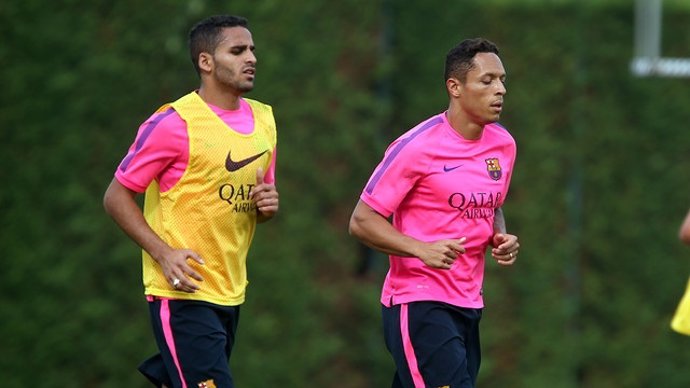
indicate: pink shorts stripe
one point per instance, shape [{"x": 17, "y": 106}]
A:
[
  {"x": 409, "y": 350},
  {"x": 167, "y": 331}
]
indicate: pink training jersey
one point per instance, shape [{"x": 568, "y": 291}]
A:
[
  {"x": 439, "y": 185},
  {"x": 161, "y": 148}
]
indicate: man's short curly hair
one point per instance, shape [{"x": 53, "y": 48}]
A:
[
  {"x": 205, "y": 35},
  {"x": 460, "y": 59}
]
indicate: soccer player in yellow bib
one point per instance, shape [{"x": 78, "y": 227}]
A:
[
  {"x": 681, "y": 319},
  {"x": 206, "y": 163}
]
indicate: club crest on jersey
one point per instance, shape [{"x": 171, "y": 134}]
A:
[
  {"x": 493, "y": 168},
  {"x": 207, "y": 384}
]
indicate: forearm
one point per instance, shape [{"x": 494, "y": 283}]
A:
[
  {"x": 375, "y": 231},
  {"x": 499, "y": 221},
  {"x": 261, "y": 217},
  {"x": 120, "y": 204}
]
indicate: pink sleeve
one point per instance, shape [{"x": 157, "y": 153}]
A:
[
  {"x": 393, "y": 178},
  {"x": 270, "y": 176},
  {"x": 160, "y": 151}
]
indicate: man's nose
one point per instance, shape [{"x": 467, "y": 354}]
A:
[
  {"x": 501, "y": 88},
  {"x": 251, "y": 58}
]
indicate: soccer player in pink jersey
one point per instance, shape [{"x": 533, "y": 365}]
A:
[
  {"x": 206, "y": 163},
  {"x": 443, "y": 184}
]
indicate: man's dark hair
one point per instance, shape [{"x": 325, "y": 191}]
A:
[
  {"x": 460, "y": 59},
  {"x": 205, "y": 35}
]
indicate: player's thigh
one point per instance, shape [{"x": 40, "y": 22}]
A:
[
  {"x": 433, "y": 344},
  {"x": 197, "y": 340}
]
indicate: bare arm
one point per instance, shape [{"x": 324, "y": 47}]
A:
[
  {"x": 505, "y": 246},
  {"x": 499, "y": 221},
  {"x": 120, "y": 204},
  {"x": 684, "y": 232},
  {"x": 372, "y": 229}
]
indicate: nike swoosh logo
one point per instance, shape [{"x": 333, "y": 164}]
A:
[
  {"x": 447, "y": 169},
  {"x": 232, "y": 165}
]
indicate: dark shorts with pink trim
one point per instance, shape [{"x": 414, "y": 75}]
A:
[
  {"x": 195, "y": 340},
  {"x": 433, "y": 344}
]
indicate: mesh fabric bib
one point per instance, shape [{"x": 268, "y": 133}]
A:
[{"x": 208, "y": 210}]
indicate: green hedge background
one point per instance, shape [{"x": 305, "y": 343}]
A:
[{"x": 599, "y": 190}]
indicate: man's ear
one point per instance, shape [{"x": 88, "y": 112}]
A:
[
  {"x": 205, "y": 62},
  {"x": 454, "y": 87}
]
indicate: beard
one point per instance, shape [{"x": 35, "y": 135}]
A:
[
  {"x": 237, "y": 81},
  {"x": 245, "y": 86}
]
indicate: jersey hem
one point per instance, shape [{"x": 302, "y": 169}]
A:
[
  {"x": 129, "y": 184},
  {"x": 372, "y": 203},
  {"x": 188, "y": 296},
  {"x": 389, "y": 300}
]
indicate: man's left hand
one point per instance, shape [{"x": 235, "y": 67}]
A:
[
  {"x": 265, "y": 196},
  {"x": 505, "y": 249}
]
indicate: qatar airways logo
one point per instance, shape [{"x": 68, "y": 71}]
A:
[
  {"x": 237, "y": 196},
  {"x": 475, "y": 204}
]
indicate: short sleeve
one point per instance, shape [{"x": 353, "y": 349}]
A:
[
  {"x": 270, "y": 176},
  {"x": 159, "y": 152},
  {"x": 402, "y": 166}
]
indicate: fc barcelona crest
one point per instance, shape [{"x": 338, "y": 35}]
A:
[{"x": 493, "y": 168}]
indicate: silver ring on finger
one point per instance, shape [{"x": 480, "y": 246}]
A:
[
  {"x": 511, "y": 255},
  {"x": 176, "y": 282}
]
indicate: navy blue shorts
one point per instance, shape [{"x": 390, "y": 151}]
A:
[
  {"x": 195, "y": 340},
  {"x": 433, "y": 344}
]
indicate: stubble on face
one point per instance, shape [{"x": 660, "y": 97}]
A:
[{"x": 235, "y": 63}]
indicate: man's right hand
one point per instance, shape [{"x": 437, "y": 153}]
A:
[
  {"x": 442, "y": 253},
  {"x": 178, "y": 272}
]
